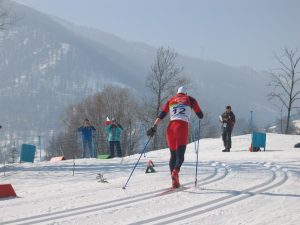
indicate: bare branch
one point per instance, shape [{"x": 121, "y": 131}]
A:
[
  {"x": 277, "y": 82},
  {"x": 282, "y": 63},
  {"x": 284, "y": 84},
  {"x": 165, "y": 77}
]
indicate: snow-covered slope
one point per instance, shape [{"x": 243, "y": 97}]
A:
[{"x": 239, "y": 187}]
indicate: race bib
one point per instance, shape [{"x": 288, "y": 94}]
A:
[{"x": 180, "y": 112}]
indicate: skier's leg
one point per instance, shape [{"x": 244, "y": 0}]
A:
[
  {"x": 174, "y": 171},
  {"x": 181, "y": 142},
  {"x": 180, "y": 156},
  {"x": 181, "y": 134},
  {"x": 172, "y": 146},
  {"x": 172, "y": 161}
]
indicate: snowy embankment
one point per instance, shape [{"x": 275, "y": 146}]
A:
[{"x": 239, "y": 187}]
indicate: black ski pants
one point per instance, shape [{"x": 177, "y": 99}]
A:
[{"x": 177, "y": 158}]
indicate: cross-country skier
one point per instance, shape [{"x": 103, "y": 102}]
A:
[
  {"x": 179, "y": 106},
  {"x": 228, "y": 121}
]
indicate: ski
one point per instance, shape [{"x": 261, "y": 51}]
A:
[{"x": 171, "y": 190}]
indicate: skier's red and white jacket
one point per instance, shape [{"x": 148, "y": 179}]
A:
[{"x": 180, "y": 107}]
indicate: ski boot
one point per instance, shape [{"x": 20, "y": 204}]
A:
[{"x": 175, "y": 178}]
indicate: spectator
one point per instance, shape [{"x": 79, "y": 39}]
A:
[
  {"x": 87, "y": 138},
  {"x": 114, "y": 134},
  {"x": 228, "y": 121}
]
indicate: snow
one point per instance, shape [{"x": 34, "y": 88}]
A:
[{"x": 233, "y": 188}]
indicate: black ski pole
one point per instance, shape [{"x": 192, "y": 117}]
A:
[
  {"x": 196, "y": 179},
  {"x": 124, "y": 187}
]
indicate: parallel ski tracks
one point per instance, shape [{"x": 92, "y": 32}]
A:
[
  {"x": 53, "y": 216},
  {"x": 278, "y": 177},
  {"x": 188, "y": 214}
]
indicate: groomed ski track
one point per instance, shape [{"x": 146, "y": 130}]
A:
[{"x": 218, "y": 172}]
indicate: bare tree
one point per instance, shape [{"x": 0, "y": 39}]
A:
[
  {"x": 285, "y": 83},
  {"x": 163, "y": 80},
  {"x": 164, "y": 76},
  {"x": 112, "y": 101}
]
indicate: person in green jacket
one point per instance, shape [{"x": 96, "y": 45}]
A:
[{"x": 114, "y": 130}]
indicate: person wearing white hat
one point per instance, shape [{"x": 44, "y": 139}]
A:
[
  {"x": 180, "y": 107},
  {"x": 182, "y": 90}
]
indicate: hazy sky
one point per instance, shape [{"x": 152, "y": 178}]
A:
[{"x": 234, "y": 32}]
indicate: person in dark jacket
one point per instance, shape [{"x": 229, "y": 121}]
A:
[
  {"x": 114, "y": 130},
  {"x": 87, "y": 138},
  {"x": 228, "y": 121}
]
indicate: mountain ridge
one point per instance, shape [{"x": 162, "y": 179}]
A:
[{"x": 47, "y": 64}]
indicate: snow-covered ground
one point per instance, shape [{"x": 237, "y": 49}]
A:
[{"x": 233, "y": 188}]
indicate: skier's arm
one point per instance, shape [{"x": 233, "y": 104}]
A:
[
  {"x": 160, "y": 117},
  {"x": 93, "y": 128},
  {"x": 80, "y": 128},
  {"x": 164, "y": 111},
  {"x": 157, "y": 121},
  {"x": 195, "y": 106},
  {"x": 120, "y": 126},
  {"x": 152, "y": 130}
]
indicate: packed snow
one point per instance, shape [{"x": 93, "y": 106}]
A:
[{"x": 238, "y": 187}]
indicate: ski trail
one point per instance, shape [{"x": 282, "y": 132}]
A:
[
  {"x": 187, "y": 214},
  {"x": 109, "y": 204}
]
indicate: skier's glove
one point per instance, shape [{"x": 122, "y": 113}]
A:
[
  {"x": 0, "y": 126},
  {"x": 151, "y": 131}
]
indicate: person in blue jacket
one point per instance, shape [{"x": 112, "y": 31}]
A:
[
  {"x": 87, "y": 137},
  {"x": 114, "y": 130}
]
